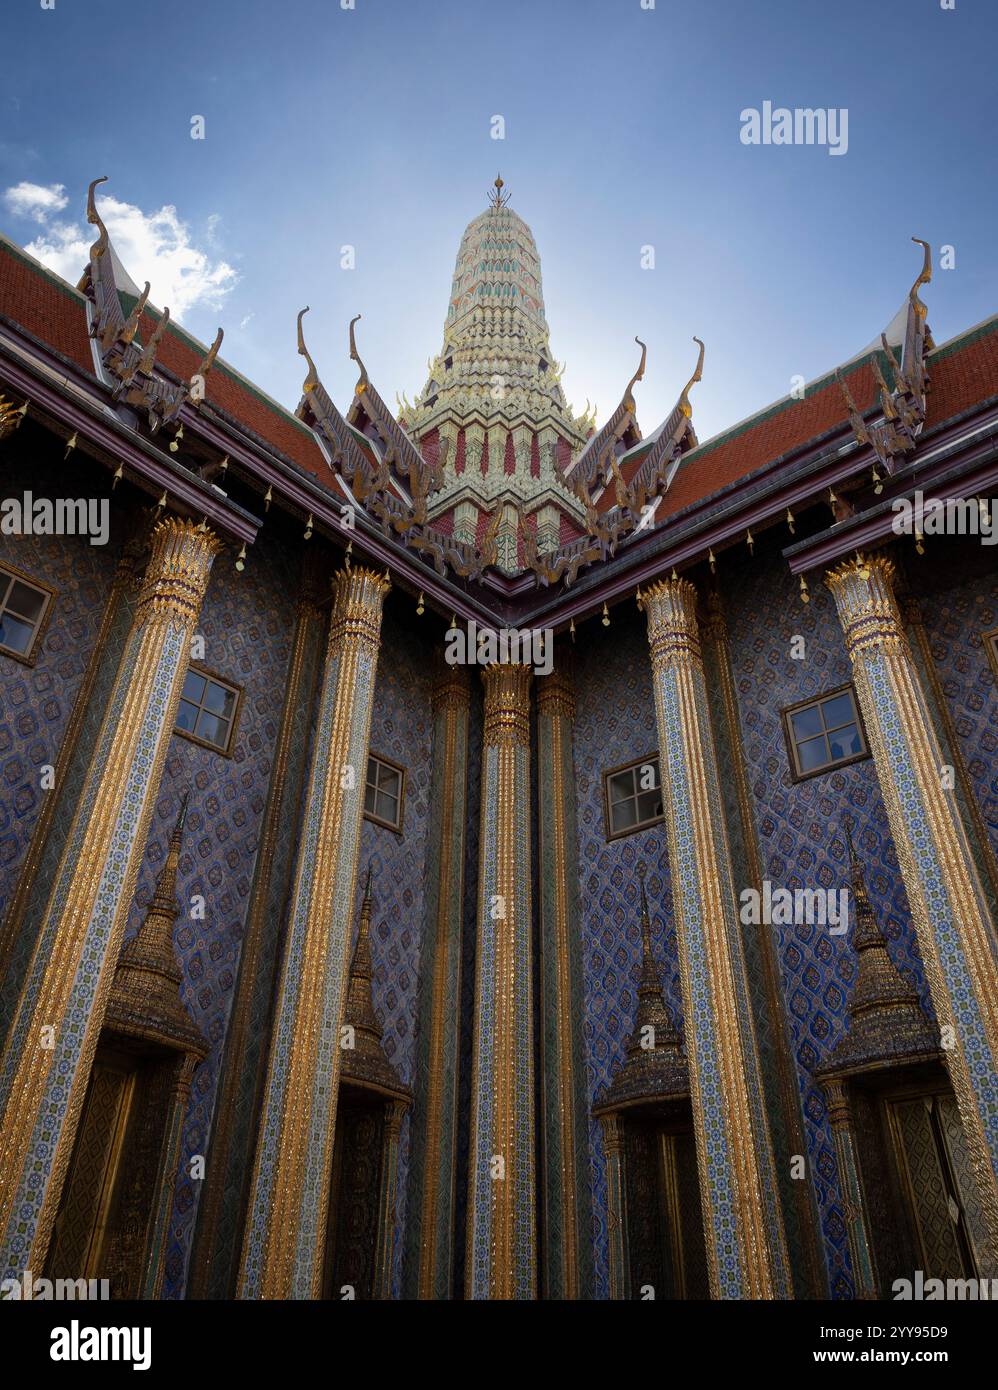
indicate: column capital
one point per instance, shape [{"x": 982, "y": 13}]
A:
[
  {"x": 837, "y": 1101},
  {"x": 863, "y": 589},
  {"x": 507, "y": 704},
  {"x": 451, "y": 688},
  {"x": 556, "y": 695},
  {"x": 176, "y": 575},
  {"x": 671, "y": 608},
  {"x": 358, "y": 598},
  {"x": 714, "y": 627},
  {"x": 613, "y": 1132}
]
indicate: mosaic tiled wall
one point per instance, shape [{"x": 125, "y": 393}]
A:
[
  {"x": 956, "y": 619},
  {"x": 402, "y": 730},
  {"x": 246, "y": 621},
  {"x": 36, "y": 701},
  {"x": 247, "y": 633},
  {"x": 802, "y": 843},
  {"x": 615, "y": 724}
]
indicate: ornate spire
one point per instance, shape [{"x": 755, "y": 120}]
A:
[
  {"x": 887, "y": 1024},
  {"x": 496, "y": 381},
  {"x": 652, "y": 1012},
  {"x": 656, "y": 1063},
  {"x": 145, "y": 995},
  {"x": 365, "y": 1063}
]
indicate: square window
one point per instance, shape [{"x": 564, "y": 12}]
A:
[
  {"x": 824, "y": 733},
  {"x": 632, "y": 797},
  {"x": 384, "y": 792},
  {"x": 208, "y": 709},
  {"x": 23, "y": 610}
]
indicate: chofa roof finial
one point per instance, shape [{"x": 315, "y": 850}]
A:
[
  {"x": 684, "y": 397},
  {"x": 93, "y": 217},
  {"x": 312, "y": 379},
  {"x": 924, "y": 276},
  {"x": 638, "y": 375},
  {"x": 355, "y": 355}
]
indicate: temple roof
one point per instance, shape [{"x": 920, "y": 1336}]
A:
[{"x": 535, "y": 493}]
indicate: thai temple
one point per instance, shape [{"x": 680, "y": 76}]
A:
[{"x": 640, "y": 945}]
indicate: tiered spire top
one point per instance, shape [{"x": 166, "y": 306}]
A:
[
  {"x": 887, "y": 1024},
  {"x": 495, "y": 376},
  {"x": 145, "y": 995},
  {"x": 655, "y": 1068},
  {"x": 365, "y": 1063}
]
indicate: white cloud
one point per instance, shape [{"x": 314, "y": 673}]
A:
[
  {"x": 153, "y": 246},
  {"x": 35, "y": 200}
]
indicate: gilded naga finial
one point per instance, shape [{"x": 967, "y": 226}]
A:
[
  {"x": 638, "y": 375},
  {"x": 355, "y": 355},
  {"x": 207, "y": 362},
  {"x": 149, "y": 356},
  {"x": 924, "y": 276},
  {"x": 131, "y": 327},
  {"x": 684, "y": 397},
  {"x": 93, "y": 217},
  {"x": 312, "y": 379}
]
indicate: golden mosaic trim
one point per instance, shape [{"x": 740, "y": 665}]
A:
[
  {"x": 309, "y": 618},
  {"x": 675, "y": 650},
  {"x": 556, "y": 703},
  {"x": 863, "y": 593},
  {"x": 352, "y": 646},
  {"x": 451, "y": 697},
  {"x": 175, "y": 581},
  {"x": 715, "y": 632}
]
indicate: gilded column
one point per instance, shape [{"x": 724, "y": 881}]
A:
[
  {"x": 289, "y": 1200},
  {"x": 430, "y": 1230},
  {"x": 612, "y": 1128},
  {"x": 783, "y": 1102},
  {"x": 502, "y": 1223},
  {"x": 860, "y": 1247},
  {"x": 565, "y": 1184},
  {"x": 910, "y": 608},
  {"x": 745, "y": 1243},
  {"x": 23, "y": 920},
  {"x": 954, "y": 930},
  {"x": 46, "y": 1065},
  {"x": 221, "y": 1210}
]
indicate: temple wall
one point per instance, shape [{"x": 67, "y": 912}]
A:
[
  {"x": 797, "y": 824},
  {"x": 615, "y": 724},
  {"x": 247, "y": 627},
  {"x": 401, "y": 730},
  {"x": 247, "y": 621},
  {"x": 955, "y": 619},
  {"x": 36, "y": 701}
]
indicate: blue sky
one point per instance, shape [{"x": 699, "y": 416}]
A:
[{"x": 371, "y": 127}]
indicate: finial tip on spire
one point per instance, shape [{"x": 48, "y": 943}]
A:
[{"x": 498, "y": 199}]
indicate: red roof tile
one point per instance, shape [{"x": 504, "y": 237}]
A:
[{"x": 46, "y": 306}]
